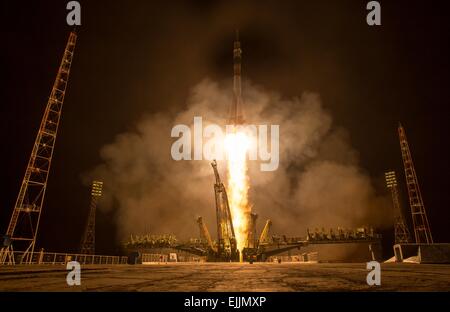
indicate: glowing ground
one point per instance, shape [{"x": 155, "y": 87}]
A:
[{"x": 228, "y": 277}]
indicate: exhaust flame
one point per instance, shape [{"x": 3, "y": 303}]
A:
[{"x": 236, "y": 146}]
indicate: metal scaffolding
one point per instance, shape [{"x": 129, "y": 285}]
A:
[
  {"x": 226, "y": 239},
  {"x": 422, "y": 231},
  {"x": 400, "y": 229},
  {"x": 88, "y": 243},
  {"x": 205, "y": 237},
  {"x": 24, "y": 222}
]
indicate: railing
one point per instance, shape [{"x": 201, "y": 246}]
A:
[
  {"x": 162, "y": 258},
  {"x": 16, "y": 257}
]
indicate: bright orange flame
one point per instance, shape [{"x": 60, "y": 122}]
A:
[{"x": 237, "y": 145}]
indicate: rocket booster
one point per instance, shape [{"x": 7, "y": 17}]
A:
[{"x": 236, "y": 115}]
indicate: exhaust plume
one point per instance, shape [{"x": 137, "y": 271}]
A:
[{"x": 318, "y": 182}]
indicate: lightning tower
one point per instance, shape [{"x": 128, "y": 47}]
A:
[
  {"x": 422, "y": 231},
  {"x": 400, "y": 229},
  {"x": 24, "y": 223},
  {"x": 88, "y": 243}
]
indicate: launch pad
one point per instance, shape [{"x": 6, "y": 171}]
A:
[
  {"x": 196, "y": 277},
  {"x": 236, "y": 239},
  {"x": 257, "y": 248}
]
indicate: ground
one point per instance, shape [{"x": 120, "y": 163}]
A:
[{"x": 228, "y": 277}]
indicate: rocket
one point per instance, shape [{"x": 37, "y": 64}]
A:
[{"x": 236, "y": 115}]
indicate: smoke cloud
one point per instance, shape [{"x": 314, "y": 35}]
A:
[{"x": 319, "y": 182}]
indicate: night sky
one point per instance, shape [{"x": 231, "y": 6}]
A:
[{"x": 139, "y": 57}]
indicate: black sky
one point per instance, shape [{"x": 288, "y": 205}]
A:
[{"x": 138, "y": 57}]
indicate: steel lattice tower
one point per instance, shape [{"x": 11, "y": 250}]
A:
[
  {"x": 400, "y": 229},
  {"x": 24, "y": 223},
  {"x": 422, "y": 231},
  {"x": 226, "y": 239},
  {"x": 88, "y": 243},
  {"x": 251, "y": 235}
]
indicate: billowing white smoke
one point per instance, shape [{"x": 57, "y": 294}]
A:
[{"x": 318, "y": 182}]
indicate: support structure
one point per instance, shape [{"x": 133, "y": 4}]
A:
[
  {"x": 204, "y": 234},
  {"x": 265, "y": 238},
  {"x": 88, "y": 243},
  {"x": 226, "y": 239},
  {"x": 400, "y": 229},
  {"x": 251, "y": 235},
  {"x": 422, "y": 230},
  {"x": 24, "y": 223}
]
